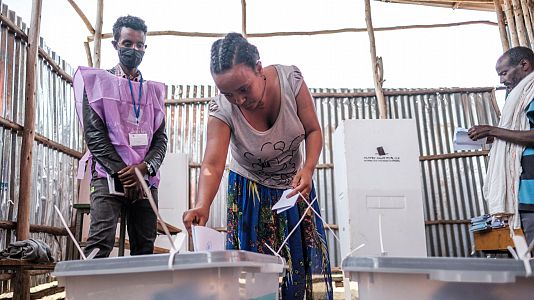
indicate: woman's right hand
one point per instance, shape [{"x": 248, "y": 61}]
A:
[{"x": 196, "y": 216}]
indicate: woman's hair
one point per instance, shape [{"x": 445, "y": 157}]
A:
[{"x": 234, "y": 49}]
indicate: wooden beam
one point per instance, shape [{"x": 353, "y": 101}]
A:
[
  {"x": 47, "y": 292},
  {"x": 528, "y": 23},
  {"x": 88, "y": 53},
  {"x": 28, "y": 134},
  {"x": 520, "y": 23},
  {"x": 508, "y": 12},
  {"x": 357, "y": 94},
  {"x": 35, "y": 228},
  {"x": 453, "y": 155},
  {"x": 57, "y": 146},
  {"x": 447, "y": 222},
  {"x": 20, "y": 34},
  {"x": 82, "y": 16},
  {"x": 98, "y": 32},
  {"x": 483, "y": 5},
  {"x": 502, "y": 27},
  {"x": 244, "y": 17},
  {"x": 14, "y": 28},
  {"x": 308, "y": 33},
  {"x": 54, "y": 66},
  {"x": 22, "y": 284},
  {"x": 377, "y": 73}
]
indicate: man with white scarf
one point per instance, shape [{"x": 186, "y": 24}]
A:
[{"x": 509, "y": 185}]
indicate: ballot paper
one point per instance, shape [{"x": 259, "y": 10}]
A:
[
  {"x": 207, "y": 239},
  {"x": 285, "y": 203},
  {"x": 462, "y": 141}
]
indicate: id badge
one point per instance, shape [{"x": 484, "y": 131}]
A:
[{"x": 138, "y": 139}]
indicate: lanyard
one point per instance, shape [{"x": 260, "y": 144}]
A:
[{"x": 137, "y": 110}]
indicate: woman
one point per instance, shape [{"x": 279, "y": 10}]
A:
[{"x": 264, "y": 114}]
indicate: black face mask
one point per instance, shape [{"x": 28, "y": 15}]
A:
[{"x": 130, "y": 57}]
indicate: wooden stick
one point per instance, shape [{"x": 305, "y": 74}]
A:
[
  {"x": 41, "y": 139},
  {"x": 356, "y": 94},
  {"x": 57, "y": 146},
  {"x": 54, "y": 66},
  {"x": 28, "y": 134},
  {"x": 476, "y": 5},
  {"x": 520, "y": 23},
  {"x": 528, "y": 23},
  {"x": 507, "y": 6},
  {"x": 22, "y": 284},
  {"x": 82, "y": 16},
  {"x": 12, "y": 27},
  {"x": 20, "y": 33},
  {"x": 307, "y": 33},
  {"x": 98, "y": 32},
  {"x": 167, "y": 33},
  {"x": 453, "y": 155},
  {"x": 35, "y": 228},
  {"x": 502, "y": 27},
  {"x": 244, "y": 17},
  {"x": 88, "y": 53},
  {"x": 382, "y": 109},
  {"x": 447, "y": 222}
]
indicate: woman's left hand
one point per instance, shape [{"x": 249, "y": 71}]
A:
[{"x": 302, "y": 182}]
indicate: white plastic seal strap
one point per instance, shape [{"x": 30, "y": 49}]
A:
[
  {"x": 70, "y": 234},
  {"x": 521, "y": 252},
  {"x": 174, "y": 249}
]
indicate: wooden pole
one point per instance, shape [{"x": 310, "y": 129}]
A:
[
  {"x": 305, "y": 33},
  {"x": 507, "y": 6},
  {"x": 377, "y": 73},
  {"x": 528, "y": 23},
  {"x": 82, "y": 16},
  {"x": 88, "y": 52},
  {"x": 22, "y": 284},
  {"x": 98, "y": 32},
  {"x": 28, "y": 134},
  {"x": 519, "y": 23},
  {"x": 502, "y": 27},
  {"x": 244, "y": 17}
]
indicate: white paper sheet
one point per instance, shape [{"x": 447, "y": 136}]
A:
[
  {"x": 285, "y": 203},
  {"x": 462, "y": 141},
  {"x": 207, "y": 239}
]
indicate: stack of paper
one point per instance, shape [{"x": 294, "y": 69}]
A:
[
  {"x": 462, "y": 141},
  {"x": 285, "y": 203},
  {"x": 207, "y": 239}
]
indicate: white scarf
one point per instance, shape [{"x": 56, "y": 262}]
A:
[{"x": 501, "y": 186}]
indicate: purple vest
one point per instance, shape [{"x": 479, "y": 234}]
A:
[{"x": 111, "y": 99}]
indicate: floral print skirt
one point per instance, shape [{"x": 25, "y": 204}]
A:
[{"x": 252, "y": 225}]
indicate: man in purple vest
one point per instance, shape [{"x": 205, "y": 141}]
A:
[{"x": 123, "y": 119}]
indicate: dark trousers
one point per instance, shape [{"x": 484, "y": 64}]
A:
[
  {"x": 105, "y": 210},
  {"x": 527, "y": 223}
]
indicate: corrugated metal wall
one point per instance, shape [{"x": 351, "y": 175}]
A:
[
  {"x": 53, "y": 178},
  {"x": 452, "y": 181}
]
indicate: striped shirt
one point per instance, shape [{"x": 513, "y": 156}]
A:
[{"x": 526, "y": 184}]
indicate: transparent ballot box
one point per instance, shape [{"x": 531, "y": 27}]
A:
[
  {"x": 217, "y": 275},
  {"x": 439, "y": 278}
]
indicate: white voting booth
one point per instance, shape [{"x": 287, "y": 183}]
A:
[
  {"x": 378, "y": 188},
  {"x": 173, "y": 193}
]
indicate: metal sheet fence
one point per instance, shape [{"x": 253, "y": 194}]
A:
[
  {"x": 53, "y": 178},
  {"x": 452, "y": 182}
]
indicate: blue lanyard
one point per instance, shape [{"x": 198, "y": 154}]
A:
[{"x": 137, "y": 110}]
